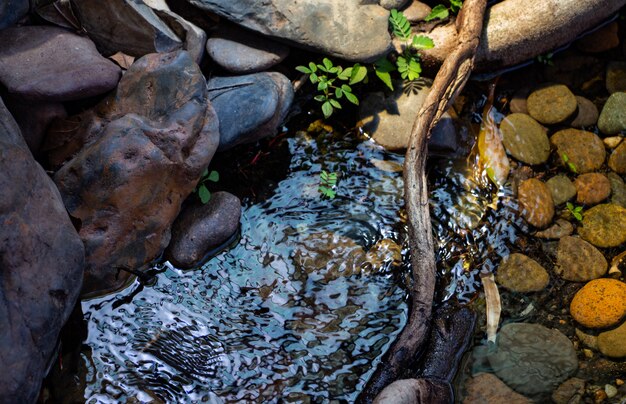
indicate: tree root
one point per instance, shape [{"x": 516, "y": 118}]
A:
[{"x": 449, "y": 81}]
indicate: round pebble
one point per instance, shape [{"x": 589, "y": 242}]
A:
[
  {"x": 579, "y": 261},
  {"x": 618, "y": 190},
  {"x": 600, "y": 303},
  {"x": 613, "y": 343},
  {"x": 523, "y": 274},
  {"x": 612, "y": 119},
  {"x": 592, "y": 188},
  {"x": 552, "y": 104},
  {"x": 583, "y": 150},
  {"x": 604, "y": 225},
  {"x": 536, "y": 203},
  {"x": 617, "y": 160},
  {"x": 525, "y": 139},
  {"x": 561, "y": 188},
  {"x": 587, "y": 113}
]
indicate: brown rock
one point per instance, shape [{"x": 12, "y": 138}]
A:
[
  {"x": 559, "y": 229},
  {"x": 416, "y": 11},
  {"x": 592, "y": 188},
  {"x": 617, "y": 160},
  {"x": 587, "y": 113},
  {"x": 561, "y": 188},
  {"x": 487, "y": 388},
  {"x": 583, "y": 150},
  {"x": 145, "y": 148},
  {"x": 525, "y": 139},
  {"x": 604, "y": 225},
  {"x": 552, "y": 104},
  {"x": 570, "y": 391},
  {"x": 612, "y": 343},
  {"x": 536, "y": 203},
  {"x": 523, "y": 274},
  {"x": 41, "y": 268},
  {"x": 579, "y": 261}
]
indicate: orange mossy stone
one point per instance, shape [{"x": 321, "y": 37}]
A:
[{"x": 600, "y": 303}]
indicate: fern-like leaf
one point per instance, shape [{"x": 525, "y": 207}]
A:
[{"x": 401, "y": 27}]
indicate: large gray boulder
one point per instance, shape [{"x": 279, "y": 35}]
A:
[
  {"x": 346, "y": 29},
  {"x": 41, "y": 267}
]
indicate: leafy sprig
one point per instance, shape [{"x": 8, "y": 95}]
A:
[
  {"x": 576, "y": 211},
  {"x": 442, "y": 12},
  {"x": 328, "y": 184},
  {"x": 201, "y": 189},
  {"x": 569, "y": 164}
]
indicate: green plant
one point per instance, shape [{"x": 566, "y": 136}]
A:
[
  {"x": 328, "y": 78},
  {"x": 408, "y": 62},
  {"x": 576, "y": 211},
  {"x": 328, "y": 184},
  {"x": 442, "y": 12},
  {"x": 569, "y": 164},
  {"x": 546, "y": 59},
  {"x": 201, "y": 189}
]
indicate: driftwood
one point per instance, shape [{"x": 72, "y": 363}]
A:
[
  {"x": 519, "y": 30},
  {"x": 448, "y": 83}
]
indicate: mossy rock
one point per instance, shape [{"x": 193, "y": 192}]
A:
[{"x": 604, "y": 225}]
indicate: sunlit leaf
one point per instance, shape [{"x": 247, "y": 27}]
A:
[
  {"x": 358, "y": 74},
  {"x": 439, "y": 11},
  {"x": 303, "y": 69},
  {"x": 351, "y": 97},
  {"x": 422, "y": 42},
  {"x": 401, "y": 27},
  {"x": 335, "y": 103}
]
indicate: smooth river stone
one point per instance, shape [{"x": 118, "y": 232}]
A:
[
  {"x": 613, "y": 116},
  {"x": 536, "y": 202},
  {"x": 523, "y": 274},
  {"x": 592, "y": 188},
  {"x": 525, "y": 139},
  {"x": 587, "y": 113},
  {"x": 600, "y": 303},
  {"x": 43, "y": 63},
  {"x": 583, "y": 149},
  {"x": 617, "y": 159},
  {"x": 552, "y": 104},
  {"x": 532, "y": 359},
  {"x": 618, "y": 190},
  {"x": 579, "y": 261},
  {"x": 604, "y": 225},
  {"x": 613, "y": 343},
  {"x": 561, "y": 188}
]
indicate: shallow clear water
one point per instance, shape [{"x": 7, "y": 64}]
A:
[{"x": 244, "y": 327}]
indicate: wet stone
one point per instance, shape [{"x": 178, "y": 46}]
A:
[
  {"x": 487, "y": 388},
  {"x": 613, "y": 116},
  {"x": 592, "y": 188},
  {"x": 616, "y": 77},
  {"x": 561, "y": 188},
  {"x": 618, "y": 190},
  {"x": 525, "y": 139},
  {"x": 533, "y": 359},
  {"x": 570, "y": 391},
  {"x": 617, "y": 159},
  {"x": 559, "y": 229},
  {"x": 384, "y": 254},
  {"x": 613, "y": 343},
  {"x": 600, "y": 303},
  {"x": 243, "y": 52},
  {"x": 579, "y": 261},
  {"x": 552, "y": 104},
  {"x": 587, "y": 115},
  {"x": 202, "y": 228},
  {"x": 518, "y": 102},
  {"x": 536, "y": 203},
  {"x": 520, "y": 273},
  {"x": 604, "y": 225},
  {"x": 584, "y": 150}
]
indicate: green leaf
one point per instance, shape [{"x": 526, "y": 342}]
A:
[
  {"x": 414, "y": 70},
  {"x": 204, "y": 194},
  {"x": 422, "y": 42},
  {"x": 358, "y": 74},
  {"x": 346, "y": 88},
  {"x": 382, "y": 68},
  {"x": 314, "y": 78},
  {"x": 320, "y": 98},
  {"x": 214, "y": 176},
  {"x": 455, "y": 5},
  {"x": 327, "y": 109},
  {"x": 345, "y": 74},
  {"x": 322, "y": 85},
  {"x": 338, "y": 92},
  {"x": 303, "y": 69},
  {"x": 312, "y": 67},
  {"x": 327, "y": 192},
  {"x": 439, "y": 11},
  {"x": 385, "y": 78},
  {"x": 335, "y": 103},
  {"x": 205, "y": 173},
  {"x": 401, "y": 27},
  {"x": 351, "y": 97},
  {"x": 327, "y": 63}
]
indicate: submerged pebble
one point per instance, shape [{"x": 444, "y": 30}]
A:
[
  {"x": 525, "y": 139},
  {"x": 487, "y": 388},
  {"x": 561, "y": 188},
  {"x": 523, "y": 274},
  {"x": 536, "y": 202},
  {"x": 617, "y": 160},
  {"x": 579, "y": 261}
]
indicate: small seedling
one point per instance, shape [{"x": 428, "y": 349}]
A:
[
  {"x": 569, "y": 164},
  {"x": 546, "y": 59},
  {"x": 442, "y": 12},
  {"x": 201, "y": 189},
  {"x": 576, "y": 211},
  {"x": 328, "y": 183}
]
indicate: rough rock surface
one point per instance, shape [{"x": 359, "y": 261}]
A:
[
  {"x": 536, "y": 203},
  {"x": 604, "y": 225},
  {"x": 41, "y": 267},
  {"x": 487, "y": 388},
  {"x": 201, "y": 228},
  {"x": 613, "y": 343},
  {"x": 42, "y": 63},
  {"x": 561, "y": 188},
  {"x": 583, "y": 149},
  {"x": 552, "y": 104},
  {"x": 569, "y": 392},
  {"x": 326, "y": 26},
  {"x": 592, "y": 188},
  {"x": 579, "y": 261},
  {"x": 520, "y": 273},
  {"x": 193, "y": 37},
  {"x": 243, "y": 52},
  {"x": 525, "y": 139},
  {"x": 125, "y": 26},
  {"x": 533, "y": 359},
  {"x": 617, "y": 159},
  {"x": 249, "y": 107},
  {"x": 145, "y": 148},
  {"x": 600, "y": 303},
  {"x": 612, "y": 119},
  {"x": 618, "y": 190},
  {"x": 559, "y": 229}
]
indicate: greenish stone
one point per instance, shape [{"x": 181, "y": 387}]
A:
[
  {"x": 561, "y": 188},
  {"x": 604, "y": 225},
  {"x": 523, "y": 274},
  {"x": 618, "y": 190},
  {"x": 525, "y": 139},
  {"x": 613, "y": 116}
]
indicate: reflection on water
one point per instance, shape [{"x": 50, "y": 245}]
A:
[{"x": 243, "y": 327}]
